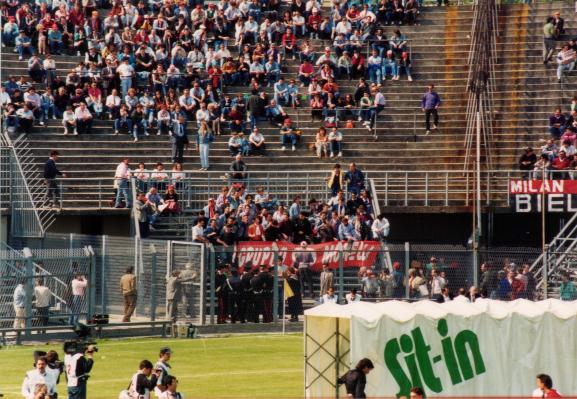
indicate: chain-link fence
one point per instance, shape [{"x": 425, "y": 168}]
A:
[
  {"x": 43, "y": 287},
  {"x": 185, "y": 281}
]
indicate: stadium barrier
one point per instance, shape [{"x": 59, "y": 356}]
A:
[{"x": 397, "y": 272}]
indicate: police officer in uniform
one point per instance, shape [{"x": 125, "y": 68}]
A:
[
  {"x": 233, "y": 293},
  {"x": 221, "y": 294},
  {"x": 246, "y": 309}
]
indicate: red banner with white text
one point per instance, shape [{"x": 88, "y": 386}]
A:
[{"x": 355, "y": 254}]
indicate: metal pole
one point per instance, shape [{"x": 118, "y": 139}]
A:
[
  {"x": 275, "y": 296},
  {"x": 407, "y": 261},
  {"x": 479, "y": 224},
  {"x": 153, "y": 286},
  {"x": 543, "y": 231},
  {"x": 337, "y": 356},
  {"x": 29, "y": 288},
  {"x": 92, "y": 283},
  {"x": 545, "y": 271},
  {"x": 341, "y": 274},
  {"x": 212, "y": 285},
  {"x": 103, "y": 276}
]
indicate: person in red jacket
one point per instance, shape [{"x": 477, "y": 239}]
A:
[
  {"x": 545, "y": 387},
  {"x": 560, "y": 164},
  {"x": 358, "y": 65},
  {"x": 289, "y": 43}
]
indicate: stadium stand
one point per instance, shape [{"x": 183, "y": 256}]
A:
[{"x": 438, "y": 46}]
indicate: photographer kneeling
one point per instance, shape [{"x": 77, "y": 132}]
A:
[{"x": 77, "y": 365}]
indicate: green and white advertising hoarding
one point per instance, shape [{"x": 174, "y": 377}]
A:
[{"x": 454, "y": 349}]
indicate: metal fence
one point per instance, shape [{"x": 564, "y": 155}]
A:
[
  {"x": 45, "y": 286},
  {"x": 208, "y": 290}
]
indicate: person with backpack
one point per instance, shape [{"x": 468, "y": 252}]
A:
[{"x": 356, "y": 379}]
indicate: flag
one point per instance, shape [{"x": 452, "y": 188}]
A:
[{"x": 288, "y": 292}]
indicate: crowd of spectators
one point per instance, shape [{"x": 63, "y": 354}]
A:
[
  {"x": 556, "y": 157},
  {"x": 147, "y": 64},
  {"x": 236, "y": 215}
]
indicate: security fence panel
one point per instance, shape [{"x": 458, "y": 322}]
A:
[
  {"x": 151, "y": 279},
  {"x": 185, "y": 281},
  {"x": 42, "y": 287}
]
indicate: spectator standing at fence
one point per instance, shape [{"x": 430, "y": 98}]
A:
[
  {"x": 326, "y": 279},
  {"x": 122, "y": 177},
  {"x": 187, "y": 278},
  {"x": 303, "y": 261},
  {"x": 142, "y": 212},
  {"x": 355, "y": 179},
  {"x": 78, "y": 285},
  {"x": 430, "y": 104},
  {"x": 50, "y": 173},
  {"x": 173, "y": 295},
  {"x": 129, "y": 293},
  {"x": 19, "y": 300},
  {"x": 43, "y": 296},
  {"x": 398, "y": 281}
]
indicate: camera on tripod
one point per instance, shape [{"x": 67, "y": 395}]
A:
[{"x": 82, "y": 344}]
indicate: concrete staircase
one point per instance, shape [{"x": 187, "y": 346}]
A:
[{"x": 526, "y": 93}]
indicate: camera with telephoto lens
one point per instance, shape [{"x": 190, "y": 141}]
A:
[{"x": 83, "y": 343}]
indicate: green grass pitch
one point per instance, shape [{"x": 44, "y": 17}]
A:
[{"x": 242, "y": 366}]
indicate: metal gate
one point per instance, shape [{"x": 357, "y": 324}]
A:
[{"x": 189, "y": 259}]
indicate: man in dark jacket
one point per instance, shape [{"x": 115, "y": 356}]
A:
[
  {"x": 262, "y": 284},
  {"x": 50, "y": 173},
  {"x": 256, "y": 104},
  {"x": 238, "y": 168},
  {"x": 302, "y": 229},
  {"x": 232, "y": 288},
  {"x": 356, "y": 379}
]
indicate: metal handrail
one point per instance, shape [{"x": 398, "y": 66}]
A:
[{"x": 18, "y": 170}]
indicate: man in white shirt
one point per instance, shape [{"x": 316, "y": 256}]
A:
[
  {"x": 38, "y": 377},
  {"x": 83, "y": 119},
  {"x": 565, "y": 61},
  {"x": 437, "y": 283},
  {"x": 330, "y": 296},
  {"x": 198, "y": 231},
  {"x": 186, "y": 101},
  {"x": 69, "y": 121},
  {"x": 121, "y": 179},
  {"x": 380, "y": 228},
  {"x": 353, "y": 296},
  {"x": 126, "y": 72},
  {"x": 251, "y": 29},
  {"x": 378, "y": 105},
  {"x": 461, "y": 297},
  {"x": 43, "y": 296},
  {"x": 78, "y": 286}
]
